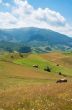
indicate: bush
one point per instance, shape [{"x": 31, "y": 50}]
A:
[
  {"x": 47, "y": 69},
  {"x": 60, "y": 73},
  {"x": 21, "y": 55}
]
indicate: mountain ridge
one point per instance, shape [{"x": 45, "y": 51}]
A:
[{"x": 37, "y": 37}]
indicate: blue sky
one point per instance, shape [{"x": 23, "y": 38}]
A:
[{"x": 49, "y": 14}]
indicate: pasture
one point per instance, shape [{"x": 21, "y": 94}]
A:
[{"x": 23, "y": 87}]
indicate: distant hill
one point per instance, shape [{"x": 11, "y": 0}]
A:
[{"x": 40, "y": 40}]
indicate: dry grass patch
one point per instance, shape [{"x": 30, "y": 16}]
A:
[{"x": 37, "y": 97}]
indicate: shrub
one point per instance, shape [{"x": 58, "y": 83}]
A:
[{"x": 47, "y": 69}]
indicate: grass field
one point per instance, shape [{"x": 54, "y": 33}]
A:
[
  {"x": 23, "y": 87},
  {"x": 65, "y": 62}
]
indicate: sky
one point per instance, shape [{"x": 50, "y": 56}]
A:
[{"x": 49, "y": 14}]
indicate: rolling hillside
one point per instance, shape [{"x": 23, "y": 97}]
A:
[
  {"x": 42, "y": 60},
  {"x": 23, "y": 87}
]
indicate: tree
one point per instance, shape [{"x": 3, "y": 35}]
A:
[{"x": 25, "y": 49}]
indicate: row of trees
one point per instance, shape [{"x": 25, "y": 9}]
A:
[{"x": 23, "y": 49}]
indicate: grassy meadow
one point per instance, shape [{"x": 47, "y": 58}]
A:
[{"x": 23, "y": 87}]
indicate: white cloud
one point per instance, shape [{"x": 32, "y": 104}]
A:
[
  {"x": 7, "y": 20},
  {"x": 49, "y": 16},
  {"x": 25, "y": 15}
]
